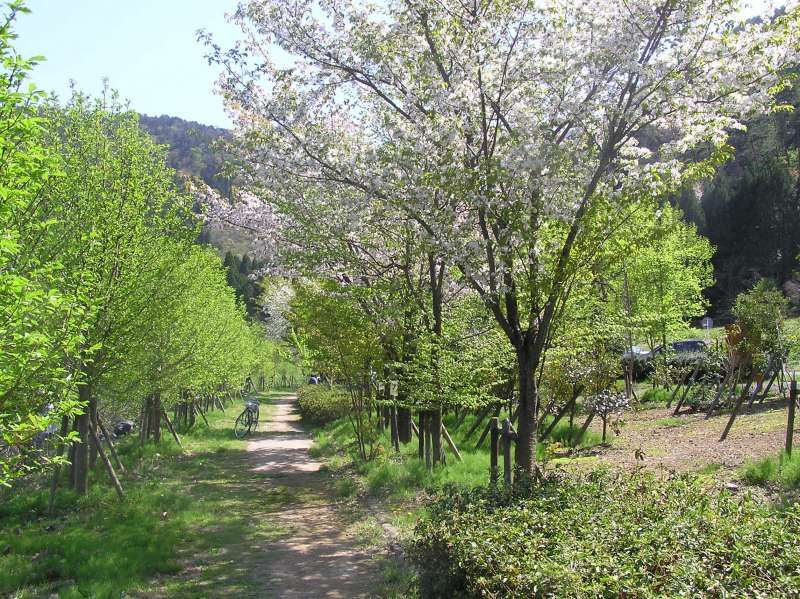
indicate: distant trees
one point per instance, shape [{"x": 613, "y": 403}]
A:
[
  {"x": 751, "y": 210},
  {"x": 243, "y": 275},
  {"x": 191, "y": 148}
]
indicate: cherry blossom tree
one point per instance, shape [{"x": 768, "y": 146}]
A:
[{"x": 517, "y": 135}]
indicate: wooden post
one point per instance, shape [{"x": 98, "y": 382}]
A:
[
  {"x": 172, "y": 429},
  {"x": 559, "y": 416},
  {"x": 452, "y": 445},
  {"x": 736, "y": 408},
  {"x": 106, "y": 461},
  {"x": 428, "y": 448},
  {"x": 395, "y": 432},
  {"x": 199, "y": 411},
  {"x": 790, "y": 422},
  {"x": 584, "y": 428},
  {"x": 723, "y": 385},
  {"x": 110, "y": 444},
  {"x": 686, "y": 389},
  {"x": 678, "y": 386},
  {"x": 493, "y": 449},
  {"x": 421, "y": 435},
  {"x": 507, "y": 452},
  {"x": 769, "y": 385},
  {"x": 488, "y": 428},
  {"x": 481, "y": 415}
]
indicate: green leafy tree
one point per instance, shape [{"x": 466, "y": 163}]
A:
[{"x": 40, "y": 319}]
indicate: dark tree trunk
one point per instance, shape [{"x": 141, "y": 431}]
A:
[
  {"x": 436, "y": 435},
  {"x": 528, "y": 408},
  {"x": 421, "y": 434},
  {"x": 156, "y": 411}
]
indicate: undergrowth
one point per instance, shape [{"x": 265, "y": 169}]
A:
[
  {"x": 782, "y": 469},
  {"x": 403, "y": 474},
  {"x": 606, "y": 535}
]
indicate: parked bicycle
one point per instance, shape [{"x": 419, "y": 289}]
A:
[{"x": 247, "y": 422}]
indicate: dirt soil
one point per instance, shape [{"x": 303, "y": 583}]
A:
[
  {"x": 691, "y": 442},
  {"x": 321, "y": 556}
]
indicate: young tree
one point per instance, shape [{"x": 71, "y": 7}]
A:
[
  {"x": 518, "y": 121},
  {"x": 40, "y": 319},
  {"x": 116, "y": 198}
]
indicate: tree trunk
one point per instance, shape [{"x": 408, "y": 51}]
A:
[
  {"x": 528, "y": 406},
  {"x": 404, "y": 425},
  {"x": 436, "y": 435},
  {"x": 81, "y": 464},
  {"x": 54, "y": 483},
  {"x": 92, "y": 448},
  {"x": 156, "y": 412},
  {"x": 421, "y": 435}
]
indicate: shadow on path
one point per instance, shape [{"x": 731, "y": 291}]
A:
[{"x": 318, "y": 558}]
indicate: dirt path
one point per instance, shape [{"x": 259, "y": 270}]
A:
[{"x": 317, "y": 558}]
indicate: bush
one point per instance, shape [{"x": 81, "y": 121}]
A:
[
  {"x": 320, "y": 405},
  {"x": 655, "y": 396},
  {"x": 606, "y": 536}
]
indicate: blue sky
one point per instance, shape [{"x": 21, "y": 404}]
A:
[{"x": 147, "y": 49}]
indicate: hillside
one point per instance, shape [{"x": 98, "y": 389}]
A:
[{"x": 194, "y": 151}]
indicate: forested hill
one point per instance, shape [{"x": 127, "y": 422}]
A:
[
  {"x": 191, "y": 148},
  {"x": 192, "y": 152},
  {"x": 751, "y": 210}
]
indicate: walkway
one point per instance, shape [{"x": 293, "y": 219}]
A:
[{"x": 317, "y": 558}]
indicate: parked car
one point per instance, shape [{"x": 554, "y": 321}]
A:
[{"x": 682, "y": 352}]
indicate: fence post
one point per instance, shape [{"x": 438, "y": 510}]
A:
[
  {"x": 494, "y": 430},
  {"x": 790, "y": 423},
  {"x": 395, "y": 432},
  {"x": 507, "y": 452}
]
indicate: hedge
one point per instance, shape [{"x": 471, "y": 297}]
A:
[{"x": 320, "y": 404}]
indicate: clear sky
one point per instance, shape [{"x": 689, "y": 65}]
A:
[{"x": 147, "y": 49}]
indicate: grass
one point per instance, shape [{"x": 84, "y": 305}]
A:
[
  {"x": 782, "y": 469},
  {"x": 671, "y": 422},
  {"x": 403, "y": 475},
  {"x": 202, "y": 507}
]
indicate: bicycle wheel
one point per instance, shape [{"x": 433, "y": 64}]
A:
[
  {"x": 241, "y": 427},
  {"x": 251, "y": 421}
]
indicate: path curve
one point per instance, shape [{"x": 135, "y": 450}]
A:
[{"x": 318, "y": 558}]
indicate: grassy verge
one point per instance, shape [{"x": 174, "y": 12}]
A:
[
  {"x": 188, "y": 523},
  {"x": 402, "y": 475}
]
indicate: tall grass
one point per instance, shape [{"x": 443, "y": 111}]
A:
[{"x": 782, "y": 469}]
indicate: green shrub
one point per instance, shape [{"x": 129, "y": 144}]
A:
[
  {"x": 320, "y": 405},
  {"x": 659, "y": 395},
  {"x": 606, "y": 536}
]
